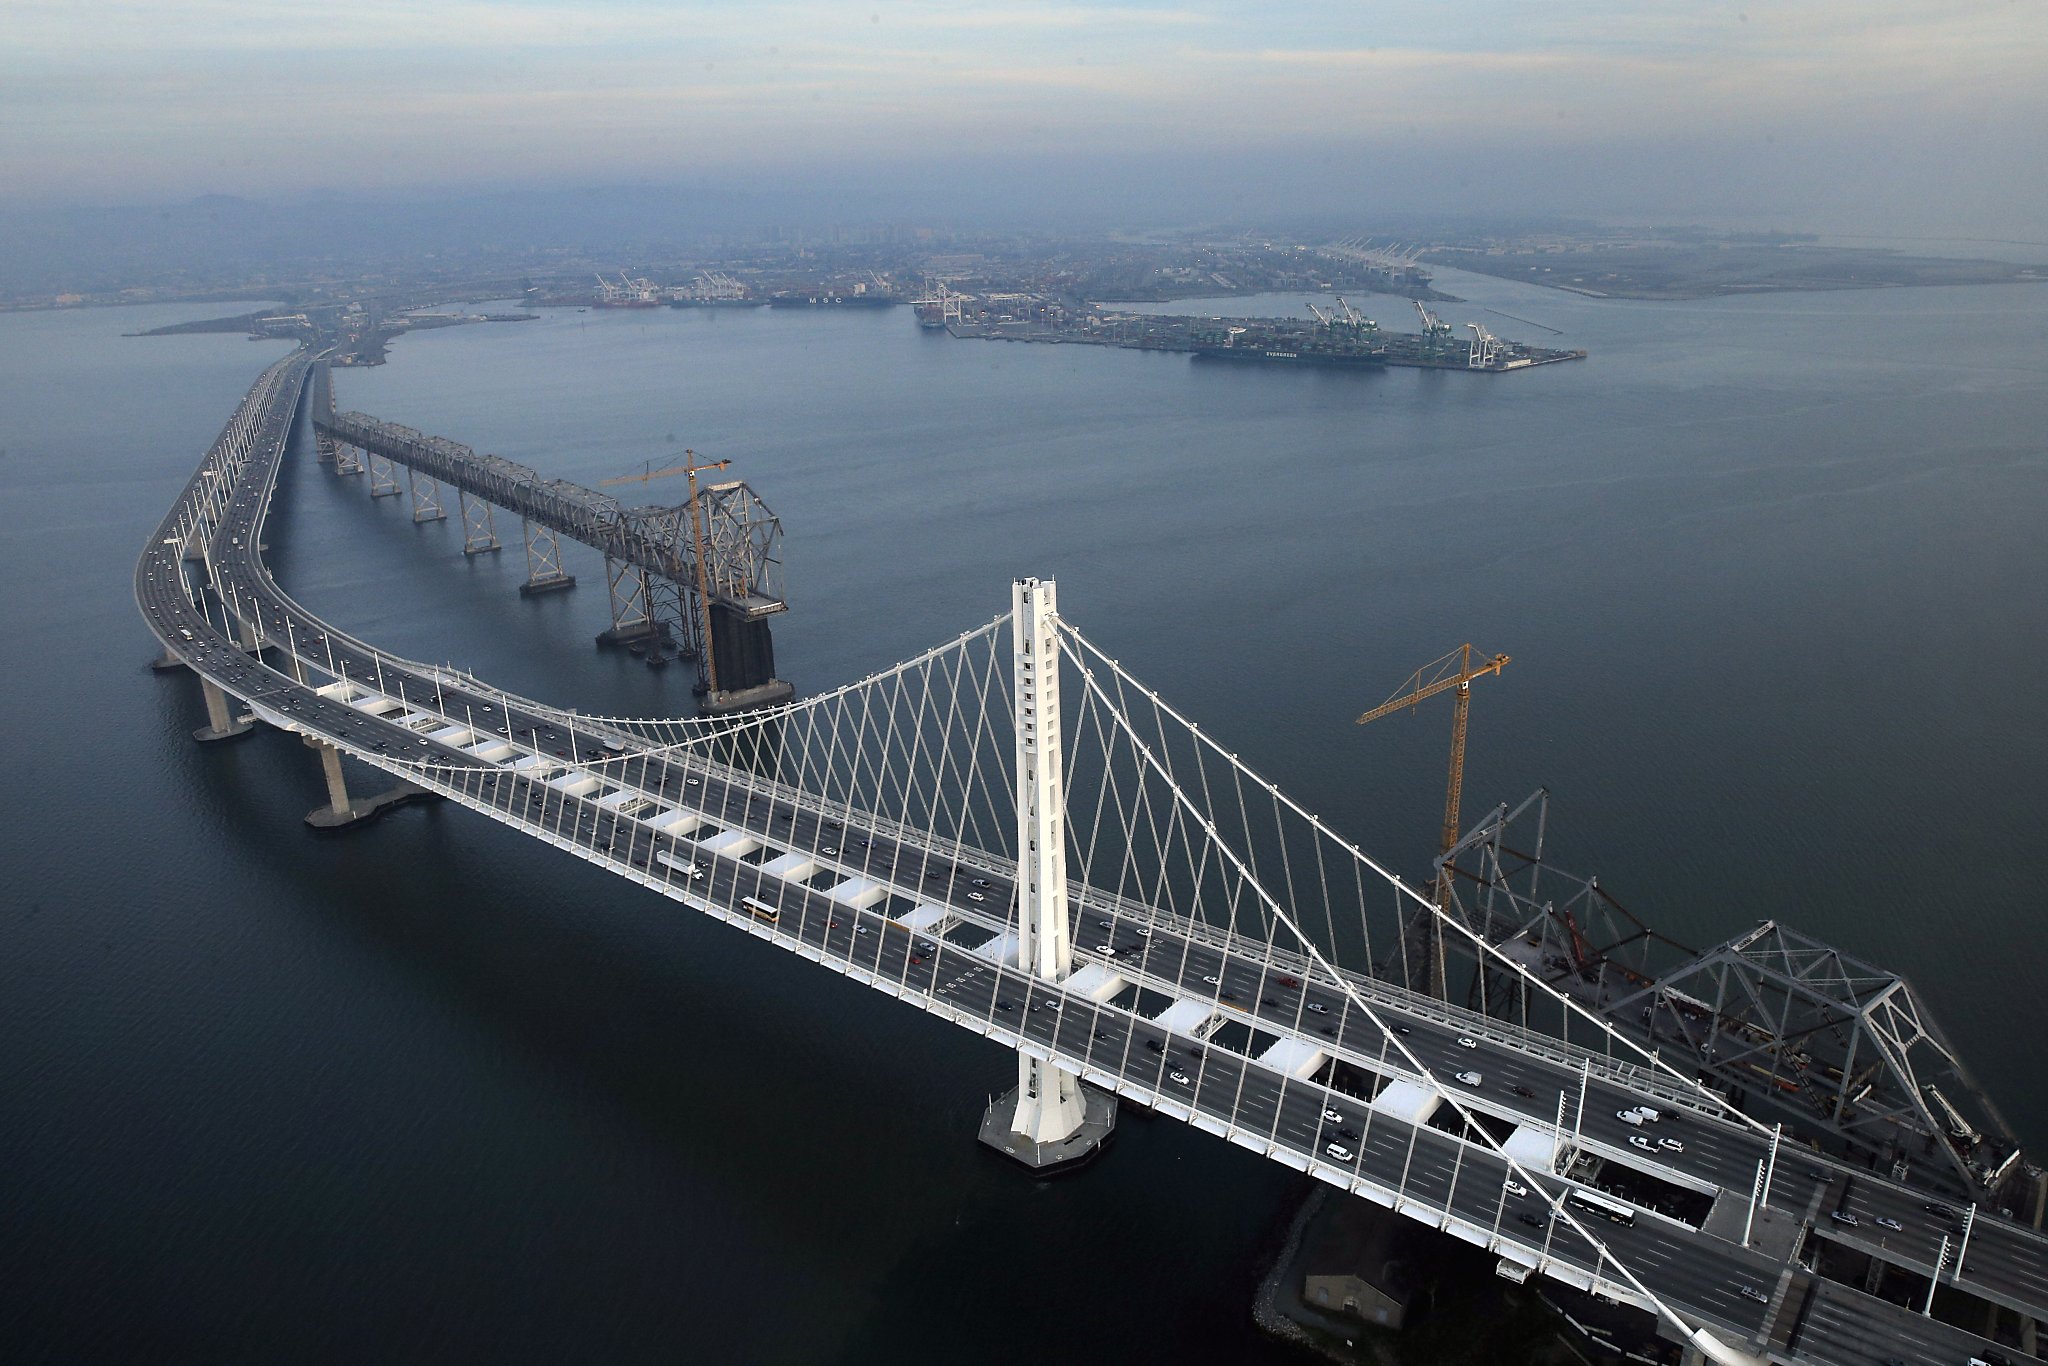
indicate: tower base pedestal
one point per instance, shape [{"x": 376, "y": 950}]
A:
[{"x": 1050, "y": 1159}]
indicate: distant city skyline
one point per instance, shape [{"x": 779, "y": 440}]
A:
[{"x": 1901, "y": 116}]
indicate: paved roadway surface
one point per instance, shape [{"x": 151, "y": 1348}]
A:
[{"x": 1438, "y": 1177}]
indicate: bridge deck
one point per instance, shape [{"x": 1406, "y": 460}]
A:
[{"x": 934, "y": 936}]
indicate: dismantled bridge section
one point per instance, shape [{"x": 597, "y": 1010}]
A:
[
  {"x": 1780, "y": 1022},
  {"x": 701, "y": 578}
]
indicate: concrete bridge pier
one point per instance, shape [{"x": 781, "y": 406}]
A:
[
  {"x": 342, "y": 810},
  {"x": 1051, "y": 1122},
  {"x": 221, "y": 722}
]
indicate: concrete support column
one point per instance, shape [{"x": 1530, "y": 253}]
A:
[
  {"x": 337, "y": 784},
  {"x": 343, "y": 810},
  {"x": 221, "y": 722}
]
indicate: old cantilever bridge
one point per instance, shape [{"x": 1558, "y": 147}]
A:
[{"x": 1012, "y": 834}]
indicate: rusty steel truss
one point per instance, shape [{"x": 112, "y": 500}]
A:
[
  {"x": 654, "y": 546},
  {"x": 1773, "y": 1016}
]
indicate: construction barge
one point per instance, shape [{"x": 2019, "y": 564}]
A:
[{"x": 1342, "y": 338}]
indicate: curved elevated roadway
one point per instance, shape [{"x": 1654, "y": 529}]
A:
[{"x": 708, "y": 836}]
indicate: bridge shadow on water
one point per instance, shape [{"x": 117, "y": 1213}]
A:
[{"x": 761, "y": 1092}]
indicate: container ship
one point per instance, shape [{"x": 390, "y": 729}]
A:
[{"x": 1292, "y": 346}]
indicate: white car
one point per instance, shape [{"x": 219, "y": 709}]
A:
[
  {"x": 1107, "y": 950},
  {"x": 1179, "y": 1076},
  {"x": 1339, "y": 1151},
  {"x": 1514, "y": 1187},
  {"x": 1317, "y": 1007},
  {"x": 1464, "y": 1042},
  {"x": 976, "y": 896},
  {"x": 1145, "y": 931},
  {"x": 1214, "y": 981},
  {"x": 1638, "y": 1141},
  {"x": 1470, "y": 1078},
  {"x": 1105, "y": 925},
  {"x": 1670, "y": 1145},
  {"x": 828, "y": 851},
  {"x": 1332, "y": 1116}
]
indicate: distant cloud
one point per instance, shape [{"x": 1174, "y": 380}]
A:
[{"x": 170, "y": 97}]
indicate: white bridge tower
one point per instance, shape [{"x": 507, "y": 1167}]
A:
[
  {"x": 1049, "y": 1102},
  {"x": 1050, "y": 1121}
]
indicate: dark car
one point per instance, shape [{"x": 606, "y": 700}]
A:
[
  {"x": 1524, "y": 1092},
  {"x": 1004, "y": 1005},
  {"x": 1155, "y": 1045},
  {"x": 1532, "y": 1220}
]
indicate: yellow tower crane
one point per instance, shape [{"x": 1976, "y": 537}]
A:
[
  {"x": 1453, "y": 671},
  {"x": 692, "y": 469}
]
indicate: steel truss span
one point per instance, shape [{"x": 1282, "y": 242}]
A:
[
  {"x": 1208, "y": 954},
  {"x": 657, "y": 585}
]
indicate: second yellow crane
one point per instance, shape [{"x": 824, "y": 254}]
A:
[
  {"x": 693, "y": 469},
  {"x": 1453, "y": 672}
]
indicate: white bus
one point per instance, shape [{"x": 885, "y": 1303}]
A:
[
  {"x": 1602, "y": 1206},
  {"x": 760, "y": 910}
]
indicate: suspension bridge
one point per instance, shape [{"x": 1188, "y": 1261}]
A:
[{"x": 1013, "y": 834}]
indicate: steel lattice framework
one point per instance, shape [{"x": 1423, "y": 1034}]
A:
[
  {"x": 1773, "y": 1013},
  {"x": 742, "y": 536}
]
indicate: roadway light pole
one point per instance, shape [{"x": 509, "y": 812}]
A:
[
  {"x": 1927, "y": 1309},
  {"x": 1579, "y": 1116},
  {"x": 1754, "y": 1192}
]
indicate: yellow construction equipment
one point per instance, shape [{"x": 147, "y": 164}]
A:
[
  {"x": 693, "y": 469},
  {"x": 650, "y": 473},
  {"x": 1453, "y": 671}
]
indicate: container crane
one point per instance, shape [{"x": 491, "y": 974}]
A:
[
  {"x": 1436, "y": 333},
  {"x": 1451, "y": 673},
  {"x": 1486, "y": 348}
]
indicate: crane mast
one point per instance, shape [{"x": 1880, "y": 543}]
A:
[{"x": 1452, "y": 673}]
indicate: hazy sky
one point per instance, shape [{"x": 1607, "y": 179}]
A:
[{"x": 1927, "y": 116}]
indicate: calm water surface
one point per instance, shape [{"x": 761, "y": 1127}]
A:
[{"x": 1772, "y": 572}]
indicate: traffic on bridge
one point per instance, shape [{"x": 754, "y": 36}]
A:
[{"x": 1160, "y": 927}]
